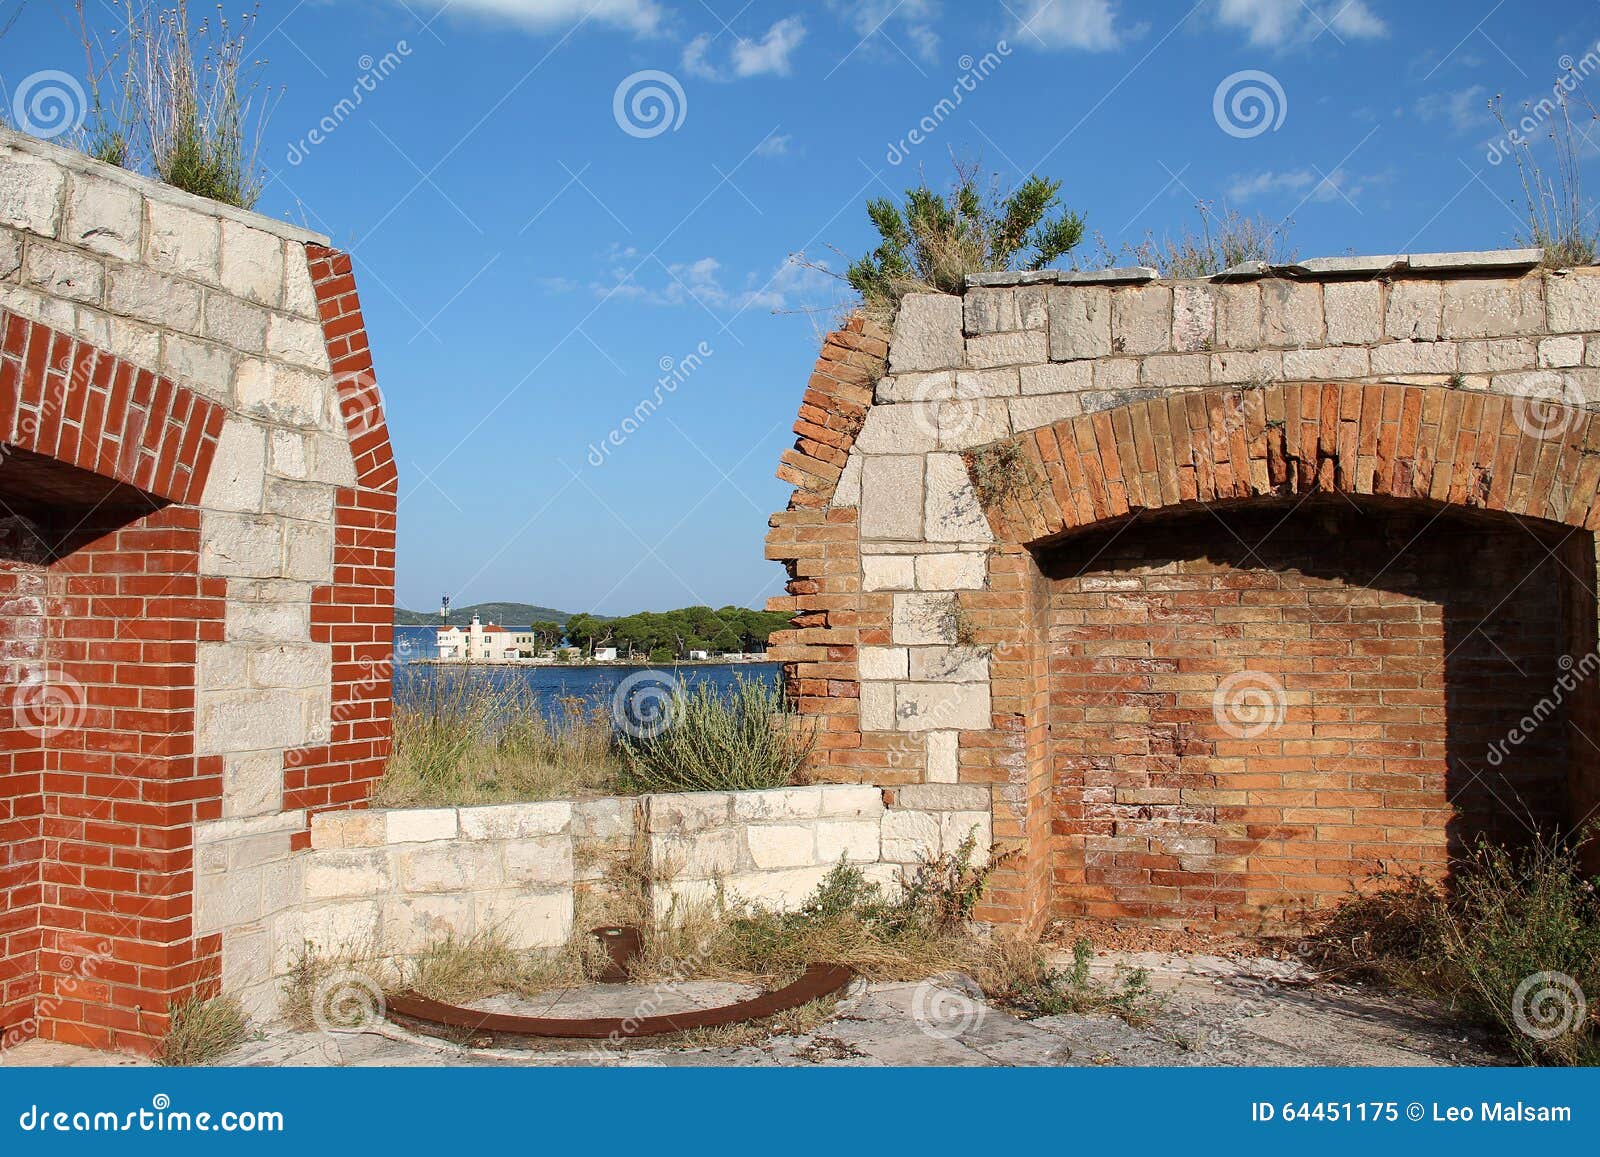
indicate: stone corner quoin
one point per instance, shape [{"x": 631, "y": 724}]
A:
[{"x": 938, "y": 465}]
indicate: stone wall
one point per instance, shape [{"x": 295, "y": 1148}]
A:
[
  {"x": 211, "y": 646},
  {"x": 938, "y": 468},
  {"x": 395, "y": 881}
]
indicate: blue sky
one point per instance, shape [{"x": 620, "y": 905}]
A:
[{"x": 536, "y": 249}]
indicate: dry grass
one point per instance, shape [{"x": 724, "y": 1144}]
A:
[
  {"x": 741, "y": 739},
  {"x": 1224, "y": 238},
  {"x": 202, "y": 1030},
  {"x": 1559, "y": 215},
  {"x": 470, "y": 737}
]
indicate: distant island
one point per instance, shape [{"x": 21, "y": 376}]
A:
[{"x": 519, "y": 614}]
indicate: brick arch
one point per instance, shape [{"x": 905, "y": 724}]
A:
[{"x": 1531, "y": 457}]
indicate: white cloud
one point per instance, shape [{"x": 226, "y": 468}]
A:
[
  {"x": 774, "y": 145},
  {"x": 1465, "y": 110},
  {"x": 767, "y": 56},
  {"x": 1307, "y": 184},
  {"x": 702, "y": 282},
  {"x": 1086, "y": 24},
  {"x": 1276, "y": 23},
  {"x": 908, "y": 20},
  {"x": 642, "y": 17}
]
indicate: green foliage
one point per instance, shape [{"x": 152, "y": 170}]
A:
[
  {"x": 1225, "y": 238},
  {"x": 669, "y": 635},
  {"x": 934, "y": 241},
  {"x": 200, "y": 1031},
  {"x": 741, "y": 739}
]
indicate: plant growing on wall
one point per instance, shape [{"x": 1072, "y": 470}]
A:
[
  {"x": 932, "y": 241},
  {"x": 1224, "y": 238},
  {"x": 177, "y": 100},
  {"x": 1559, "y": 216}
]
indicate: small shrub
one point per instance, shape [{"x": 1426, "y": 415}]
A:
[
  {"x": 1225, "y": 238},
  {"x": 1018, "y": 975},
  {"x": 1001, "y": 471},
  {"x": 459, "y": 970},
  {"x": 202, "y": 1030},
  {"x": 934, "y": 241},
  {"x": 741, "y": 739},
  {"x": 1559, "y": 216}
]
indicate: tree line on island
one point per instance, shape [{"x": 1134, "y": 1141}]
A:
[{"x": 667, "y": 635}]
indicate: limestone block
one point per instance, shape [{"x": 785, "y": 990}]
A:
[
  {"x": 419, "y": 825},
  {"x": 683, "y": 813},
  {"x": 1354, "y": 312},
  {"x": 888, "y": 572},
  {"x": 1573, "y": 302},
  {"x": 953, "y": 513},
  {"x": 985, "y": 383},
  {"x": 1007, "y": 349},
  {"x": 336, "y": 929},
  {"x": 883, "y": 662},
  {"x": 297, "y": 341},
  {"x": 943, "y": 755},
  {"x": 1329, "y": 362},
  {"x": 924, "y": 618},
  {"x": 1291, "y": 313},
  {"x": 352, "y": 829},
  {"x": 228, "y": 901},
  {"x": 221, "y": 666},
  {"x": 1141, "y": 319},
  {"x": 781, "y": 890},
  {"x": 1080, "y": 322},
  {"x": 1115, "y": 374},
  {"x": 892, "y": 496},
  {"x": 200, "y": 365},
  {"x": 64, "y": 273},
  {"x": 307, "y": 501},
  {"x": 452, "y": 866},
  {"x": 782, "y": 803},
  {"x": 906, "y": 428},
  {"x": 1492, "y": 308},
  {"x": 927, "y": 333},
  {"x": 104, "y": 217},
  {"x": 1415, "y": 309},
  {"x": 251, "y": 720},
  {"x": 956, "y": 571},
  {"x": 1496, "y": 354},
  {"x": 299, "y": 296},
  {"x": 909, "y": 836},
  {"x": 781, "y": 845},
  {"x": 539, "y": 862},
  {"x": 515, "y": 821},
  {"x": 943, "y": 706},
  {"x": 526, "y": 920},
  {"x": 236, "y": 323},
  {"x": 949, "y": 665},
  {"x": 240, "y": 544},
  {"x": 252, "y": 264},
  {"x": 1169, "y": 371},
  {"x": 149, "y": 296},
  {"x": 252, "y": 783},
  {"x": 989, "y": 311},
  {"x": 1242, "y": 366},
  {"x": 1238, "y": 315},
  {"x": 956, "y": 827},
  {"x": 267, "y": 621},
  {"x": 246, "y": 959},
  {"x": 847, "y": 491},
  {"x": 136, "y": 343},
  {"x": 10, "y": 254},
  {"x": 696, "y": 856},
  {"x": 970, "y": 422},
  {"x": 1561, "y": 351},
  {"x": 182, "y": 241},
  {"x": 928, "y": 387},
  {"x": 1414, "y": 357},
  {"x": 308, "y": 551},
  {"x": 1045, "y": 409},
  {"x": 283, "y": 393},
  {"x": 670, "y": 900},
  {"x": 966, "y": 797},
  {"x": 858, "y": 841},
  {"x": 30, "y": 193},
  {"x": 412, "y": 923},
  {"x": 1194, "y": 318},
  {"x": 1057, "y": 378},
  {"x": 876, "y": 706},
  {"x": 851, "y": 800},
  {"x": 339, "y": 874},
  {"x": 601, "y": 821},
  {"x": 238, "y": 467}
]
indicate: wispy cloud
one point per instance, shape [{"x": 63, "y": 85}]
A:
[
  {"x": 1464, "y": 111},
  {"x": 1283, "y": 23},
  {"x": 768, "y": 55},
  {"x": 1304, "y": 183},
  {"x": 643, "y": 17},
  {"x": 1089, "y": 25},
  {"x": 704, "y": 282},
  {"x": 775, "y": 145},
  {"x": 909, "y": 23}
]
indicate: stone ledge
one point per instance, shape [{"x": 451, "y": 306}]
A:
[{"x": 1127, "y": 275}]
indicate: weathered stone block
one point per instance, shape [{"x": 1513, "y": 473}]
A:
[
  {"x": 877, "y": 706},
  {"x": 700, "y": 855},
  {"x": 924, "y": 619},
  {"x": 252, "y": 264},
  {"x": 420, "y": 825},
  {"x": 1573, "y": 302},
  {"x": 1291, "y": 313},
  {"x": 687, "y": 812},
  {"x": 908, "y": 428},
  {"x": 340, "y": 874},
  {"x": 943, "y": 756},
  {"x": 1045, "y": 409},
  {"x": 182, "y": 241},
  {"x": 64, "y": 273},
  {"x": 967, "y": 797},
  {"x": 1494, "y": 308},
  {"x": 953, "y": 513},
  {"x": 539, "y": 862},
  {"x": 857, "y": 841},
  {"x": 1141, "y": 319},
  {"x": 851, "y": 800},
  {"x": 525, "y": 920},
  {"x": 456, "y": 866},
  {"x": 1194, "y": 318},
  {"x": 1354, "y": 312},
  {"x": 781, "y": 845},
  {"x": 515, "y": 821},
  {"x": 949, "y": 664},
  {"x": 1414, "y": 312},
  {"x": 153, "y": 297},
  {"x": 943, "y": 706},
  {"x": 1414, "y": 357},
  {"x": 1238, "y": 316},
  {"x": 411, "y": 924},
  {"x": 104, "y": 217},
  {"x": 883, "y": 663},
  {"x": 1330, "y": 362},
  {"x": 1169, "y": 371},
  {"x": 891, "y": 497},
  {"x": 1080, "y": 322},
  {"x": 783, "y": 803},
  {"x": 927, "y": 333},
  {"x": 1006, "y": 349},
  {"x": 30, "y": 193},
  {"x": 888, "y": 572},
  {"x": 909, "y": 836},
  {"x": 1057, "y": 378}
]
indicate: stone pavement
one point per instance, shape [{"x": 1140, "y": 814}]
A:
[{"x": 1219, "y": 1011}]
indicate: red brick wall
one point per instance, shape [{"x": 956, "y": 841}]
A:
[{"x": 1395, "y": 663}]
